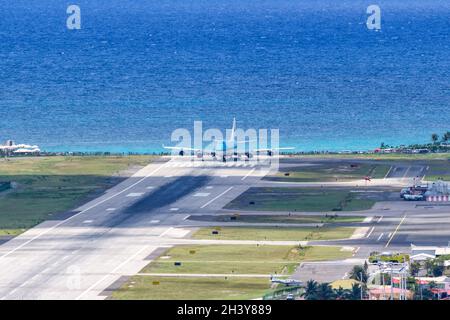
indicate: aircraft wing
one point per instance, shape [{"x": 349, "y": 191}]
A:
[
  {"x": 181, "y": 148},
  {"x": 273, "y": 149}
]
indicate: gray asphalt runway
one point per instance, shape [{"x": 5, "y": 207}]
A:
[{"x": 111, "y": 236}]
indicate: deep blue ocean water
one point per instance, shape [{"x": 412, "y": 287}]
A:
[{"x": 139, "y": 69}]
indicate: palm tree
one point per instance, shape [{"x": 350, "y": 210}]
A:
[
  {"x": 434, "y": 137},
  {"x": 359, "y": 273},
  {"x": 341, "y": 293},
  {"x": 355, "y": 292},
  {"x": 446, "y": 136},
  {"x": 325, "y": 292},
  {"x": 311, "y": 290}
]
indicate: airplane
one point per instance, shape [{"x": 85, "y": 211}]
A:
[
  {"x": 228, "y": 147},
  {"x": 286, "y": 282},
  {"x": 368, "y": 178}
]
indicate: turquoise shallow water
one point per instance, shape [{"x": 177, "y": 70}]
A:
[{"x": 140, "y": 69}]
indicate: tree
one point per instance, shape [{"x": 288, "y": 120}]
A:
[
  {"x": 414, "y": 268},
  {"x": 359, "y": 273},
  {"x": 325, "y": 292},
  {"x": 434, "y": 137},
  {"x": 311, "y": 290},
  {"x": 446, "y": 136},
  {"x": 341, "y": 293},
  {"x": 355, "y": 292},
  {"x": 437, "y": 270}
]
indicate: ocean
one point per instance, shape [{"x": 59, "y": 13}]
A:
[{"x": 137, "y": 70}]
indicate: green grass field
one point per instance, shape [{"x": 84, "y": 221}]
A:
[
  {"x": 247, "y": 218},
  {"x": 331, "y": 171},
  {"x": 274, "y": 234},
  {"x": 240, "y": 259},
  {"x": 300, "y": 199},
  {"x": 48, "y": 185},
  {"x": 438, "y": 170},
  {"x": 174, "y": 288}
]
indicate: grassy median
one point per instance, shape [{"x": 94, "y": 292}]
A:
[
  {"x": 282, "y": 218},
  {"x": 240, "y": 259},
  {"x": 274, "y": 233},
  {"x": 331, "y": 171},
  {"x": 44, "y": 186},
  {"x": 174, "y": 288},
  {"x": 301, "y": 199}
]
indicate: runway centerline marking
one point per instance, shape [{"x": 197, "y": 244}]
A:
[
  {"x": 81, "y": 212},
  {"x": 395, "y": 231},
  {"x": 249, "y": 173},
  {"x": 215, "y": 198},
  {"x": 135, "y": 194},
  {"x": 201, "y": 194}
]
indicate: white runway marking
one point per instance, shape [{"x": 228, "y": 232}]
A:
[
  {"x": 395, "y": 231},
  {"x": 169, "y": 176},
  {"x": 224, "y": 176},
  {"x": 249, "y": 173},
  {"x": 186, "y": 217},
  {"x": 165, "y": 232},
  {"x": 385, "y": 177},
  {"x": 150, "y": 188},
  {"x": 111, "y": 209},
  {"x": 87, "y": 221},
  {"x": 212, "y": 200},
  {"x": 381, "y": 236},
  {"x": 135, "y": 194},
  {"x": 201, "y": 194},
  {"x": 81, "y": 212},
  {"x": 381, "y": 218},
  {"x": 113, "y": 271},
  {"x": 367, "y": 219},
  {"x": 174, "y": 209},
  {"x": 209, "y": 187},
  {"x": 154, "y": 221}
]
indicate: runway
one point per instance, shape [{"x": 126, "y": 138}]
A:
[{"x": 113, "y": 235}]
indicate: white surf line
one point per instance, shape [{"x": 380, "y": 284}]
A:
[
  {"x": 387, "y": 173},
  {"x": 113, "y": 271},
  {"x": 249, "y": 173},
  {"x": 81, "y": 212},
  {"x": 395, "y": 231},
  {"x": 381, "y": 236},
  {"x": 215, "y": 198},
  {"x": 370, "y": 232}
]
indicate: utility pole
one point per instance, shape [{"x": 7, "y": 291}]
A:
[{"x": 360, "y": 276}]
